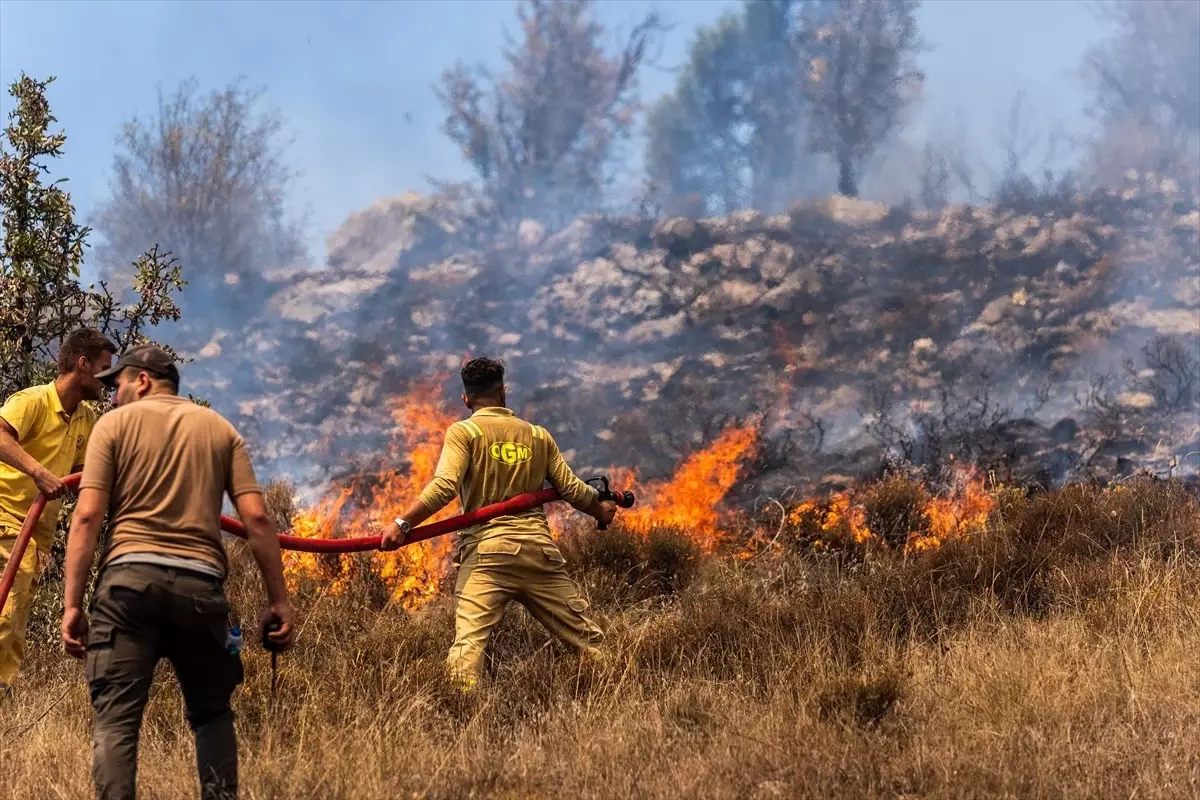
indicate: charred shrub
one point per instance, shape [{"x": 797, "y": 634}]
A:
[
  {"x": 279, "y": 498},
  {"x": 620, "y": 566},
  {"x": 671, "y": 560},
  {"x": 965, "y": 424},
  {"x": 1171, "y": 375},
  {"x": 897, "y": 507}
]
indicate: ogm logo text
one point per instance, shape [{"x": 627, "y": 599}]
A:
[{"x": 510, "y": 452}]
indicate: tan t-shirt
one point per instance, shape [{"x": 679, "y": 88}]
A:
[{"x": 166, "y": 462}]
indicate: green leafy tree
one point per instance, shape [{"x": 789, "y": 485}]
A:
[{"x": 41, "y": 297}]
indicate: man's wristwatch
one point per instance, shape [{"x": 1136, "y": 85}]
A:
[{"x": 403, "y": 526}]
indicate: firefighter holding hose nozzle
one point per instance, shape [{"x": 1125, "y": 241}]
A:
[{"x": 489, "y": 457}]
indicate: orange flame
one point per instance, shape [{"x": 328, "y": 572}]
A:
[
  {"x": 964, "y": 511},
  {"x": 836, "y": 518},
  {"x": 840, "y": 519},
  {"x": 690, "y": 500},
  {"x": 411, "y": 573}
]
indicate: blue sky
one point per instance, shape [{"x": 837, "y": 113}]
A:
[{"x": 354, "y": 79}]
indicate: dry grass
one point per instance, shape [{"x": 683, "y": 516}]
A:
[{"x": 1053, "y": 657}]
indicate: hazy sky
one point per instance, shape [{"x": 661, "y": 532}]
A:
[{"x": 354, "y": 79}]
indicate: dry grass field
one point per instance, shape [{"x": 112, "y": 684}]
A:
[{"x": 1050, "y": 653}]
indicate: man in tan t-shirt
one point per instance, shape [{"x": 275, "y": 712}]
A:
[{"x": 160, "y": 465}]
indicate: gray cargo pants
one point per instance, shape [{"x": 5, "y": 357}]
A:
[{"x": 141, "y": 613}]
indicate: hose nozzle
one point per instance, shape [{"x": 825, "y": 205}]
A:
[{"x": 623, "y": 499}]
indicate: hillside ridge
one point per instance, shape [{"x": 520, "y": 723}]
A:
[{"x": 837, "y": 314}]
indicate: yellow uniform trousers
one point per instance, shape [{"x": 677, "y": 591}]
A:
[
  {"x": 15, "y": 615},
  {"x": 528, "y": 569}
]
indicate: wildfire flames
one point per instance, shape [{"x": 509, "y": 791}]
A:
[
  {"x": 411, "y": 573},
  {"x": 964, "y": 511},
  {"x": 836, "y": 518},
  {"x": 689, "y": 502},
  {"x": 842, "y": 517}
]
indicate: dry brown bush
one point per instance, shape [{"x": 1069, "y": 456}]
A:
[{"x": 1051, "y": 656}]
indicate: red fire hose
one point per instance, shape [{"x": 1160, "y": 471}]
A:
[{"x": 514, "y": 505}]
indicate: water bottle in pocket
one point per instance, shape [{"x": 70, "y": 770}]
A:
[{"x": 233, "y": 637}]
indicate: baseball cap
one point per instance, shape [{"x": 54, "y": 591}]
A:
[{"x": 146, "y": 357}]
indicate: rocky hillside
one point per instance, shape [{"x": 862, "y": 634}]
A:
[{"x": 839, "y": 328}]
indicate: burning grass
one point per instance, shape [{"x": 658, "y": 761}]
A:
[
  {"x": 690, "y": 502},
  {"x": 410, "y": 576},
  {"x": 1048, "y": 651}
]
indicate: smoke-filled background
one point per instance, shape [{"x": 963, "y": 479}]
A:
[{"x": 860, "y": 230}]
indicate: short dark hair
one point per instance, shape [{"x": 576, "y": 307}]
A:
[
  {"x": 87, "y": 342},
  {"x": 132, "y": 372},
  {"x": 483, "y": 377}
]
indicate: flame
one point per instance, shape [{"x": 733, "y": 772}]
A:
[
  {"x": 833, "y": 519},
  {"x": 689, "y": 501},
  {"x": 411, "y": 573},
  {"x": 316, "y": 523},
  {"x": 840, "y": 520},
  {"x": 966, "y": 509}
]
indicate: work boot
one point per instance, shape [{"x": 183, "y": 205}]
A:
[
  {"x": 596, "y": 656},
  {"x": 464, "y": 681}
]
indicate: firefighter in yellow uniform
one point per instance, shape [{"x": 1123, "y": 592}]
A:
[
  {"x": 44, "y": 431},
  {"x": 486, "y": 459}
]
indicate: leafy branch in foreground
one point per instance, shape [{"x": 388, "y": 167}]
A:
[{"x": 41, "y": 252}]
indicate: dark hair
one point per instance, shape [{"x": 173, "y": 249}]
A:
[
  {"x": 483, "y": 377},
  {"x": 130, "y": 373},
  {"x": 87, "y": 342}
]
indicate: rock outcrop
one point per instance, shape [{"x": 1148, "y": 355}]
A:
[{"x": 634, "y": 339}]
